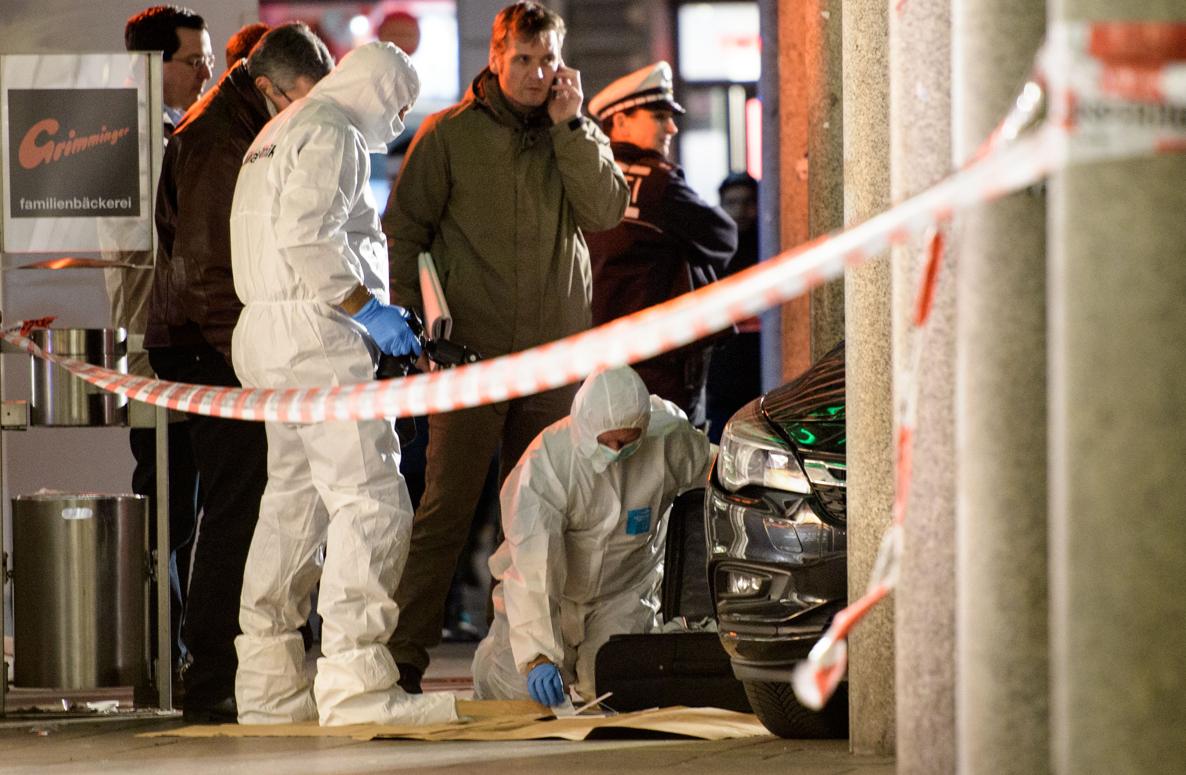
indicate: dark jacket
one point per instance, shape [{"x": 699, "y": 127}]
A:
[
  {"x": 500, "y": 201},
  {"x": 670, "y": 242},
  {"x": 193, "y": 295}
]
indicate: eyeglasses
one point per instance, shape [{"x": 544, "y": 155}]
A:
[{"x": 197, "y": 61}]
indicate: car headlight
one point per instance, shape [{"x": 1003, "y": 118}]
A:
[{"x": 752, "y": 454}]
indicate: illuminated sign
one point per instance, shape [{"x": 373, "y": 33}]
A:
[
  {"x": 73, "y": 153},
  {"x": 719, "y": 42}
]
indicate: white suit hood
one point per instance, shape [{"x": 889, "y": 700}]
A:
[
  {"x": 610, "y": 399},
  {"x": 372, "y": 84}
]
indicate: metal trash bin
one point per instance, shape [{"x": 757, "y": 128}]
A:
[
  {"x": 80, "y": 590},
  {"x": 61, "y": 399}
]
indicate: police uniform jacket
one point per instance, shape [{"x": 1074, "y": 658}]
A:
[{"x": 670, "y": 242}]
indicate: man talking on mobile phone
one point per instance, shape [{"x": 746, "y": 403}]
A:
[{"x": 498, "y": 188}]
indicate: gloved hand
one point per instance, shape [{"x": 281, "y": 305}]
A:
[
  {"x": 545, "y": 685},
  {"x": 388, "y": 326}
]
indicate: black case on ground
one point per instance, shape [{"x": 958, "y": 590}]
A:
[
  {"x": 668, "y": 668},
  {"x": 674, "y": 668}
]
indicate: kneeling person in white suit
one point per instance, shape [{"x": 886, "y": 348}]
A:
[
  {"x": 585, "y": 517},
  {"x": 310, "y": 265}
]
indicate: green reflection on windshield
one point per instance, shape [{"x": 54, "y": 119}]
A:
[{"x": 803, "y": 436}]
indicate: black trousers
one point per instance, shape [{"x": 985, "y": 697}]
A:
[
  {"x": 183, "y": 493},
  {"x": 232, "y": 462}
]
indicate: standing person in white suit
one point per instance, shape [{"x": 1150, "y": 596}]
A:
[
  {"x": 310, "y": 265},
  {"x": 585, "y": 517}
]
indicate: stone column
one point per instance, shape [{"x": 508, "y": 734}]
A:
[
  {"x": 1002, "y": 705},
  {"x": 1117, "y": 273},
  {"x": 793, "y": 171},
  {"x": 810, "y": 165},
  {"x": 920, "y": 142},
  {"x": 823, "y": 25},
  {"x": 869, "y": 371}
]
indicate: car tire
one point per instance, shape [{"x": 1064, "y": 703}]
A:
[{"x": 779, "y": 711}]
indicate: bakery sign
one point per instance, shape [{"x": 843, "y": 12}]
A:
[
  {"x": 73, "y": 153},
  {"x": 78, "y": 150}
]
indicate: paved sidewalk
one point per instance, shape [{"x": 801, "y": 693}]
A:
[{"x": 111, "y": 745}]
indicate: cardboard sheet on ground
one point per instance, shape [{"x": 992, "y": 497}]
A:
[{"x": 496, "y": 720}]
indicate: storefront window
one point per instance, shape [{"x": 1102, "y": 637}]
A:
[
  {"x": 426, "y": 29},
  {"x": 719, "y": 58}
]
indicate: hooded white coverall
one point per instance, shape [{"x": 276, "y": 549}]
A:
[
  {"x": 304, "y": 234},
  {"x": 583, "y": 555}
]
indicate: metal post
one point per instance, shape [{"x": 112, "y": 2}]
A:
[
  {"x": 164, "y": 670},
  {"x": 164, "y": 646},
  {"x": 3, "y": 554}
]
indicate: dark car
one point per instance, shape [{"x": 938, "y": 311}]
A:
[{"x": 775, "y": 526}]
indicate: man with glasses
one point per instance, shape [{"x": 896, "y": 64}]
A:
[
  {"x": 191, "y": 316},
  {"x": 180, "y": 34}
]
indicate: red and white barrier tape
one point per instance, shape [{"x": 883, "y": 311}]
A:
[
  {"x": 627, "y": 340},
  {"x": 1115, "y": 90},
  {"x": 1112, "y": 97},
  {"x": 815, "y": 679}
]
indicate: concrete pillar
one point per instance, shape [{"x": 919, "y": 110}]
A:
[
  {"x": 920, "y": 146},
  {"x": 1002, "y": 705},
  {"x": 1117, "y": 273},
  {"x": 793, "y": 170},
  {"x": 869, "y": 372},
  {"x": 823, "y": 55},
  {"x": 810, "y": 165}
]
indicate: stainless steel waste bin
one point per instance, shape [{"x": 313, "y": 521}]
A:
[
  {"x": 61, "y": 399},
  {"x": 80, "y": 590}
]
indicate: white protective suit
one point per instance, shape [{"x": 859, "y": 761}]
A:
[
  {"x": 304, "y": 234},
  {"x": 583, "y": 555}
]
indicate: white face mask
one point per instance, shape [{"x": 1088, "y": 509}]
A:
[
  {"x": 397, "y": 126},
  {"x": 608, "y": 455}
]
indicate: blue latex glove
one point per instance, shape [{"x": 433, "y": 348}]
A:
[
  {"x": 545, "y": 685},
  {"x": 388, "y": 326}
]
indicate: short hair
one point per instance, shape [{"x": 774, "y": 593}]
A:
[
  {"x": 155, "y": 29},
  {"x": 287, "y": 52},
  {"x": 524, "y": 20},
  {"x": 240, "y": 44},
  {"x": 738, "y": 179}
]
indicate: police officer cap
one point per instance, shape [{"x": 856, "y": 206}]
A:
[{"x": 648, "y": 87}]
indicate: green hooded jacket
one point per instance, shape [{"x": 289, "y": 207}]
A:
[{"x": 500, "y": 202}]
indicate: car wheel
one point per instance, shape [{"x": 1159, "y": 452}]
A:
[{"x": 779, "y": 711}]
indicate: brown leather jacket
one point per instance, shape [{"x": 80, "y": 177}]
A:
[{"x": 193, "y": 295}]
